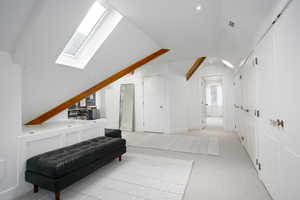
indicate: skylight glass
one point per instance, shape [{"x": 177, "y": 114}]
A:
[
  {"x": 95, "y": 28},
  {"x": 85, "y": 29}
]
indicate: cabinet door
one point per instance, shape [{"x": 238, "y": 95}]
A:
[
  {"x": 238, "y": 103},
  {"x": 287, "y": 58},
  {"x": 250, "y": 106},
  {"x": 268, "y": 134},
  {"x": 243, "y": 100}
]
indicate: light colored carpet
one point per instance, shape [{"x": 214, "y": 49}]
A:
[
  {"x": 201, "y": 144},
  {"x": 137, "y": 177}
]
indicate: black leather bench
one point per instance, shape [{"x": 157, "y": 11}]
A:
[
  {"x": 58, "y": 169},
  {"x": 114, "y": 133}
]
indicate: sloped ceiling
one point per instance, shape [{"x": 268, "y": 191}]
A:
[
  {"x": 47, "y": 84},
  {"x": 13, "y": 17},
  {"x": 177, "y": 25},
  {"x": 37, "y": 31}
]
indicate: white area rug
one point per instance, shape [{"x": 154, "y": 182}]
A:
[
  {"x": 137, "y": 177},
  {"x": 202, "y": 144}
]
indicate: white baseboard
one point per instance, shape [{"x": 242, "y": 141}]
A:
[{"x": 16, "y": 191}]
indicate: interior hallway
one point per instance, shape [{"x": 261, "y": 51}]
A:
[{"x": 230, "y": 176}]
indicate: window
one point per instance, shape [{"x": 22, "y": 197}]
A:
[
  {"x": 85, "y": 29},
  {"x": 214, "y": 95},
  {"x": 94, "y": 29}
]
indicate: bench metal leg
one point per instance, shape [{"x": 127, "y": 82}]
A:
[
  {"x": 57, "y": 195},
  {"x": 35, "y": 189},
  {"x": 120, "y": 158}
]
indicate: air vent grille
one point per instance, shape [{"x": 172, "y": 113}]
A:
[{"x": 231, "y": 24}]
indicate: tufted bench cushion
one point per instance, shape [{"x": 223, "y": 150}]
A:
[{"x": 59, "y": 163}]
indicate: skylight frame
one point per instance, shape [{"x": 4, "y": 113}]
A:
[
  {"x": 93, "y": 40},
  {"x": 90, "y": 34}
]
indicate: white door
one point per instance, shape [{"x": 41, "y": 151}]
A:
[
  {"x": 238, "y": 103},
  {"x": 203, "y": 103},
  {"x": 154, "y": 104},
  {"x": 249, "y": 104},
  {"x": 269, "y": 140},
  {"x": 287, "y": 54}
]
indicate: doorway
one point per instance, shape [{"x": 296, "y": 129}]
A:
[
  {"x": 127, "y": 96},
  {"x": 214, "y": 101}
]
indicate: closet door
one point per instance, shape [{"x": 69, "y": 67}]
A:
[
  {"x": 249, "y": 81},
  {"x": 243, "y": 100},
  {"x": 287, "y": 57},
  {"x": 269, "y": 139},
  {"x": 238, "y": 103}
]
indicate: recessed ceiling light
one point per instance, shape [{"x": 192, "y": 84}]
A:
[
  {"x": 198, "y": 8},
  {"x": 228, "y": 64}
]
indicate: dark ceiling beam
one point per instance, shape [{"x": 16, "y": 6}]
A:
[
  {"x": 51, "y": 113},
  {"x": 194, "y": 68}
]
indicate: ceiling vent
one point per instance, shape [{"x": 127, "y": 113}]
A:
[{"x": 231, "y": 24}]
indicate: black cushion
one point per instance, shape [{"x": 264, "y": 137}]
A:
[
  {"x": 60, "y": 162},
  {"x": 59, "y": 184},
  {"x": 114, "y": 133}
]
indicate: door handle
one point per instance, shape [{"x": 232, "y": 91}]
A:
[{"x": 280, "y": 123}]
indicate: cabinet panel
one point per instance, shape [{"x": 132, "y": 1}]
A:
[
  {"x": 269, "y": 139},
  {"x": 290, "y": 176},
  {"x": 287, "y": 54},
  {"x": 270, "y": 152}
]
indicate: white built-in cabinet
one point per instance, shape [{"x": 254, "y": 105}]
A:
[{"x": 268, "y": 89}]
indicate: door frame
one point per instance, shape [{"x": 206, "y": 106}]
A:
[{"x": 221, "y": 76}]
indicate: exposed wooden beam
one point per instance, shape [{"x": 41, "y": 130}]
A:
[
  {"x": 194, "y": 68},
  {"x": 44, "y": 117}
]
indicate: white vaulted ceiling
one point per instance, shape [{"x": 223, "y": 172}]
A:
[
  {"x": 13, "y": 17},
  {"x": 176, "y": 24}
]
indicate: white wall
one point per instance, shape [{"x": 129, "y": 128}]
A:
[
  {"x": 113, "y": 97},
  {"x": 183, "y": 98},
  {"x": 177, "y": 99},
  {"x": 10, "y": 122},
  {"x": 175, "y": 96},
  {"x": 53, "y": 22},
  {"x": 194, "y": 102}
]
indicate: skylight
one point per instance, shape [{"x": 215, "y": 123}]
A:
[
  {"x": 94, "y": 29},
  {"x": 94, "y": 16}
]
